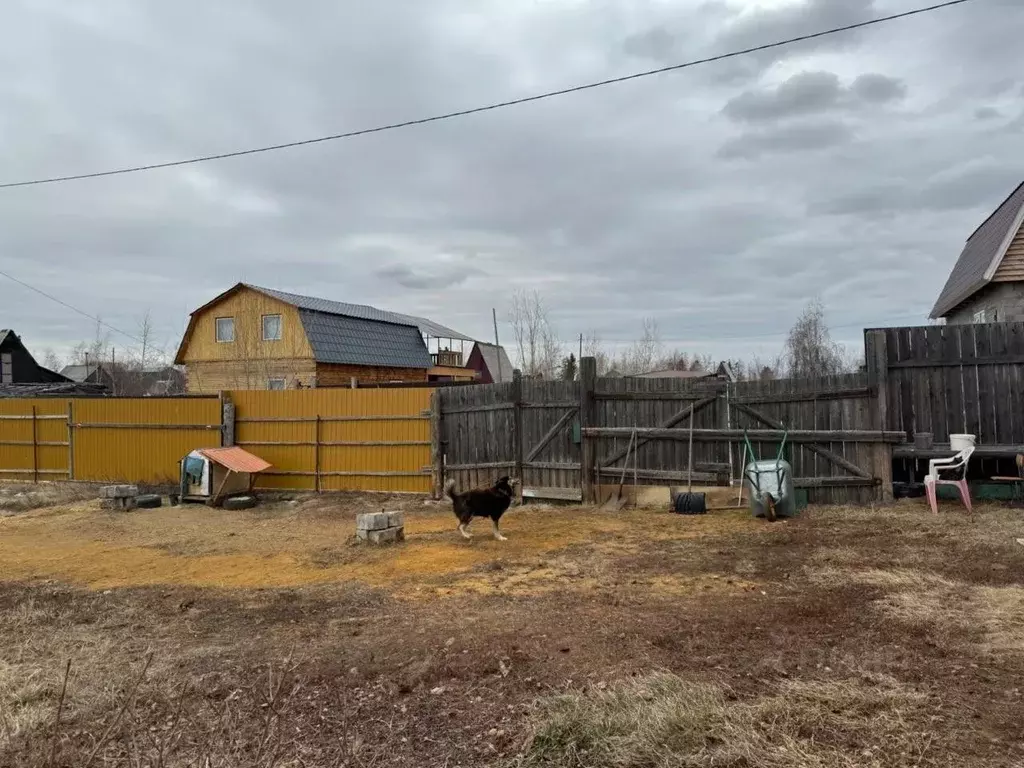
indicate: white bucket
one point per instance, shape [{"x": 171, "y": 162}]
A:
[{"x": 961, "y": 442}]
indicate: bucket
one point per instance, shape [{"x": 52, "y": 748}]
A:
[{"x": 961, "y": 442}]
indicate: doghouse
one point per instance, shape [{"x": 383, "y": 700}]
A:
[{"x": 210, "y": 475}]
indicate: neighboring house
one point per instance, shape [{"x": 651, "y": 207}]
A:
[
  {"x": 17, "y": 366},
  {"x": 127, "y": 380},
  {"x": 987, "y": 282},
  {"x": 257, "y": 338},
  {"x": 491, "y": 363},
  {"x": 722, "y": 373}
]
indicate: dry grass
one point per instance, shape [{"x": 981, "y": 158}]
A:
[
  {"x": 435, "y": 652},
  {"x": 664, "y": 721},
  {"x": 21, "y": 497}
]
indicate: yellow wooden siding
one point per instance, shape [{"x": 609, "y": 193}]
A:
[
  {"x": 49, "y": 459},
  {"x": 143, "y": 454},
  {"x": 387, "y": 416},
  {"x": 1011, "y": 268},
  {"x": 214, "y": 376},
  {"x": 247, "y": 307}
]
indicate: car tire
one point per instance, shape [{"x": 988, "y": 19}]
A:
[
  {"x": 240, "y": 502},
  {"x": 148, "y": 501}
]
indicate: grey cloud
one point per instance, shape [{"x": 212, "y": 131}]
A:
[
  {"x": 812, "y": 92},
  {"x": 987, "y": 113},
  {"x": 614, "y": 203},
  {"x": 804, "y": 137}
]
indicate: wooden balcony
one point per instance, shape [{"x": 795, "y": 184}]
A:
[{"x": 447, "y": 358}]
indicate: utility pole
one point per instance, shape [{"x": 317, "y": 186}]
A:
[{"x": 494, "y": 317}]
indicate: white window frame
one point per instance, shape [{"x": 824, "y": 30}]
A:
[
  {"x": 216, "y": 330},
  {"x": 271, "y": 381},
  {"x": 980, "y": 316},
  {"x": 280, "y": 327},
  {"x": 6, "y": 368}
]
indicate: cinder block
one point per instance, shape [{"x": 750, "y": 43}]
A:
[
  {"x": 122, "y": 504},
  {"x": 118, "y": 491},
  {"x": 385, "y": 536},
  {"x": 395, "y": 519},
  {"x": 372, "y": 521}
]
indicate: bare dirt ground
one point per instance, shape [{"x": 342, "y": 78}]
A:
[{"x": 269, "y": 637}]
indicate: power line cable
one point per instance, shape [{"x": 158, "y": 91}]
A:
[
  {"x": 83, "y": 313},
  {"x": 493, "y": 106}
]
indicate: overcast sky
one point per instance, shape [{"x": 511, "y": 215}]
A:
[{"x": 716, "y": 199}]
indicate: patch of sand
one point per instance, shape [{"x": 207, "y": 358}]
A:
[{"x": 279, "y": 546}]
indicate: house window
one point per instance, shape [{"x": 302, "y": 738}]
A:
[
  {"x": 271, "y": 327},
  {"x": 980, "y": 316},
  {"x": 275, "y": 383},
  {"x": 6, "y": 368},
  {"x": 225, "y": 329}
]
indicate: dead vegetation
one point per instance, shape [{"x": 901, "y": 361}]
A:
[
  {"x": 627, "y": 640},
  {"x": 21, "y": 497}
]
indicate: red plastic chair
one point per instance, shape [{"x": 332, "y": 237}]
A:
[{"x": 955, "y": 465}]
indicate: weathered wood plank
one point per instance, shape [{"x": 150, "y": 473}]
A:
[{"x": 774, "y": 435}]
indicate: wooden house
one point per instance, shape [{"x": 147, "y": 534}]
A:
[
  {"x": 17, "y": 366},
  {"x": 258, "y": 338},
  {"x": 987, "y": 281},
  {"x": 491, "y": 363}
]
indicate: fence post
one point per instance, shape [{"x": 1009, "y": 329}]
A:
[
  {"x": 588, "y": 445},
  {"x": 436, "y": 443},
  {"x": 71, "y": 439},
  {"x": 876, "y": 354},
  {"x": 316, "y": 455},
  {"x": 516, "y": 398},
  {"x": 227, "y": 420},
  {"x": 35, "y": 449}
]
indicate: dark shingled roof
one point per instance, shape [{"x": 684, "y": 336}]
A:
[
  {"x": 364, "y": 312},
  {"x": 987, "y": 243},
  {"x": 345, "y": 340}
]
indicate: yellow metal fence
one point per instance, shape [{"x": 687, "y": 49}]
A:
[{"x": 318, "y": 439}]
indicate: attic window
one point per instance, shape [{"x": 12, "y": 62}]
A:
[
  {"x": 271, "y": 327},
  {"x": 6, "y": 368},
  {"x": 275, "y": 383},
  {"x": 225, "y": 329}
]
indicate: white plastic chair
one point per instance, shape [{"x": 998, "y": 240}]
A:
[{"x": 956, "y": 465}]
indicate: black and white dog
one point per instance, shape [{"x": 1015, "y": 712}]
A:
[{"x": 482, "y": 502}]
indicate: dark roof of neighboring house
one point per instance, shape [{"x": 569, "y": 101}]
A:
[
  {"x": 491, "y": 355},
  {"x": 363, "y": 312},
  {"x": 3, "y": 334},
  {"x": 981, "y": 255},
  {"x": 79, "y": 372},
  {"x": 673, "y": 374}
]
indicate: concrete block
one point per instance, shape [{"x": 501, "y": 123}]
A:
[
  {"x": 395, "y": 519},
  {"x": 386, "y": 536},
  {"x": 382, "y": 535},
  {"x": 372, "y": 521},
  {"x": 118, "y": 491}
]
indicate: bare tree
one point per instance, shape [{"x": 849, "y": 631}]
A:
[
  {"x": 642, "y": 354},
  {"x": 540, "y": 353},
  {"x": 592, "y": 347},
  {"x": 810, "y": 350},
  {"x": 52, "y": 361}
]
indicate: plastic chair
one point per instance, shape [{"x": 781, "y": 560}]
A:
[{"x": 956, "y": 465}]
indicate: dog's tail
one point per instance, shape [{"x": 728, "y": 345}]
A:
[{"x": 449, "y": 489}]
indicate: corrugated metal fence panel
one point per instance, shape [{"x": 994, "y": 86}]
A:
[
  {"x": 140, "y": 440},
  {"x": 49, "y": 459},
  {"x": 369, "y": 439}
]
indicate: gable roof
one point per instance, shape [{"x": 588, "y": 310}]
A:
[
  {"x": 981, "y": 255},
  {"x": 492, "y": 355},
  {"x": 3, "y": 334},
  {"x": 343, "y": 334},
  {"x": 362, "y": 312}
]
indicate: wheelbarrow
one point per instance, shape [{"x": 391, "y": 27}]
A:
[{"x": 770, "y": 483}]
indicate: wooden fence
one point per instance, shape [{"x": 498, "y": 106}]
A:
[
  {"x": 565, "y": 438},
  {"x": 323, "y": 439},
  {"x": 950, "y": 379}
]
